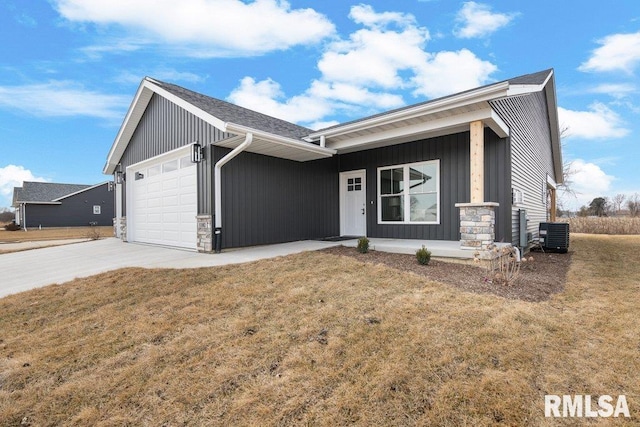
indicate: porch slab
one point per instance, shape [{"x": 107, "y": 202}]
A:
[{"x": 438, "y": 248}]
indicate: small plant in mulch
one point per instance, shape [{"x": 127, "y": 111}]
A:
[
  {"x": 12, "y": 226},
  {"x": 363, "y": 245},
  {"x": 423, "y": 256},
  {"x": 501, "y": 264}
]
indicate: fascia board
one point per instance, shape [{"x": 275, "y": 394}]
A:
[
  {"x": 40, "y": 203},
  {"x": 140, "y": 102},
  {"x": 439, "y": 126},
  {"x": 81, "y": 191},
  {"x": 554, "y": 125},
  {"x": 277, "y": 139},
  {"x": 476, "y": 96}
]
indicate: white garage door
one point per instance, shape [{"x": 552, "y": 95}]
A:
[{"x": 163, "y": 201}]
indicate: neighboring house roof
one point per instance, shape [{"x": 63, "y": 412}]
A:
[
  {"x": 279, "y": 138},
  {"x": 16, "y": 196},
  {"x": 45, "y": 192}
]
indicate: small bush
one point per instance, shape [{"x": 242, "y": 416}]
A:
[
  {"x": 423, "y": 255},
  {"x": 94, "y": 234},
  {"x": 363, "y": 245},
  {"x": 12, "y": 227}
]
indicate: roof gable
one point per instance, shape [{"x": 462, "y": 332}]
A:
[
  {"x": 231, "y": 113},
  {"x": 45, "y": 192}
]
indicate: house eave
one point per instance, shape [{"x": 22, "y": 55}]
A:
[
  {"x": 456, "y": 121},
  {"x": 274, "y": 145},
  {"x": 460, "y": 100}
]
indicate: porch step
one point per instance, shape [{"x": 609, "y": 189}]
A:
[{"x": 438, "y": 248}]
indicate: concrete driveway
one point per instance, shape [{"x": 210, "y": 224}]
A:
[{"x": 21, "y": 271}]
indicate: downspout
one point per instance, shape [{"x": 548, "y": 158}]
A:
[{"x": 217, "y": 190}]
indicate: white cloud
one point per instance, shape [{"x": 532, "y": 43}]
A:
[
  {"x": 62, "y": 98},
  {"x": 445, "y": 73},
  {"x": 211, "y": 28},
  {"x": 267, "y": 97},
  {"x": 13, "y": 176},
  {"x": 600, "y": 122},
  {"x": 134, "y": 76},
  {"x": 618, "y": 52},
  {"x": 616, "y": 90},
  {"x": 588, "y": 182},
  {"x": 363, "y": 73},
  {"x": 376, "y": 54},
  {"x": 477, "y": 20}
]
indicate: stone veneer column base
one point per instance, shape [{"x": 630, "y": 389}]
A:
[
  {"x": 477, "y": 224},
  {"x": 123, "y": 228},
  {"x": 205, "y": 235}
]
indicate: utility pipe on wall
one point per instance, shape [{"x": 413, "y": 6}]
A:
[{"x": 217, "y": 190}]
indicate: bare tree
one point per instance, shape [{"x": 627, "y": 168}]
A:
[
  {"x": 633, "y": 203},
  {"x": 566, "y": 190},
  {"x": 617, "y": 202}
]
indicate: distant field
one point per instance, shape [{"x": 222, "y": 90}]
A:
[
  {"x": 603, "y": 225},
  {"x": 52, "y": 234}
]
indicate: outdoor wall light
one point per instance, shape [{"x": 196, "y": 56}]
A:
[{"x": 196, "y": 153}]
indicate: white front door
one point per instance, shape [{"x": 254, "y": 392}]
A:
[{"x": 353, "y": 206}]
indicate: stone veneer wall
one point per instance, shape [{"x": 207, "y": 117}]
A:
[
  {"x": 205, "y": 229},
  {"x": 477, "y": 225},
  {"x": 123, "y": 228}
]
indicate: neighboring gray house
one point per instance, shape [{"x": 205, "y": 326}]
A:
[
  {"x": 48, "y": 204},
  {"x": 458, "y": 168}
]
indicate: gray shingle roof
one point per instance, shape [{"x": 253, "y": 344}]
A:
[
  {"x": 232, "y": 113},
  {"x": 44, "y": 192},
  {"x": 531, "y": 79}
]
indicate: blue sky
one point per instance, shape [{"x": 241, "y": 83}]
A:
[{"x": 69, "y": 70}]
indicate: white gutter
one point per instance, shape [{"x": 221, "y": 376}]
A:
[{"x": 217, "y": 190}]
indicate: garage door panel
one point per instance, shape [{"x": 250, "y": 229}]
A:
[
  {"x": 170, "y": 201},
  {"x": 164, "y": 204}
]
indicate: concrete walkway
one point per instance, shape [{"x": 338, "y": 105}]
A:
[
  {"x": 22, "y": 246},
  {"x": 21, "y": 271}
]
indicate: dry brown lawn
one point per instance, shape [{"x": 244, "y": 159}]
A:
[
  {"x": 60, "y": 233},
  {"x": 318, "y": 339}
]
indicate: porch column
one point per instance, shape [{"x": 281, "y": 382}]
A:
[
  {"x": 552, "y": 208},
  {"x": 477, "y": 161},
  {"x": 478, "y": 217}
]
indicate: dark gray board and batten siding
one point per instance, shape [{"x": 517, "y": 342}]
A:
[
  {"x": 166, "y": 126},
  {"x": 531, "y": 155},
  {"x": 271, "y": 200},
  {"x": 453, "y": 153},
  {"x": 74, "y": 211}
]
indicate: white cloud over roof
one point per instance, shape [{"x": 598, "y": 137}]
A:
[
  {"x": 207, "y": 28},
  {"x": 363, "y": 72},
  {"x": 13, "y": 176}
]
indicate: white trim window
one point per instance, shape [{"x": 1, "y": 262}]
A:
[
  {"x": 409, "y": 193},
  {"x": 96, "y": 209}
]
